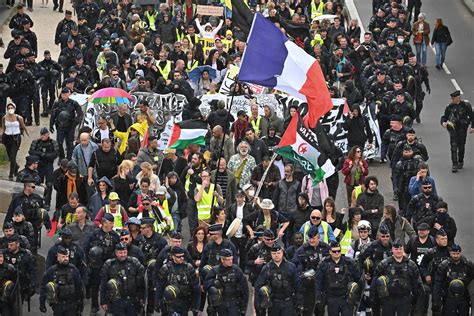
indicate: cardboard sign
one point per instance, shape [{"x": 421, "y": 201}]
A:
[
  {"x": 229, "y": 79},
  {"x": 207, "y": 45},
  {"x": 210, "y": 10}
]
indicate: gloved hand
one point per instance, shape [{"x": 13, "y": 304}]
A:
[
  {"x": 429, "y": 90},
  {"x": 43, "y": 308},
  {"x": 51, "y": 130}
]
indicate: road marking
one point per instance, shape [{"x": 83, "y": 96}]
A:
[
  {"x": 456, "y": 86},
  {"x": 446, "y": 69},
  {"x": 355, "y": 15}
]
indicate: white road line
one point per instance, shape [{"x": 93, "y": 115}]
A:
[
  {"x": 446, "y": 69},
  {"x": 355, "y": 15},
  {"x": 456, "y": 86}
]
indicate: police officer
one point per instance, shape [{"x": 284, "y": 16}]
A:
[
  {"x": 151, "y": 243},
  {"x": 337, "y": 280},
  {"x": 431, "y": 261},
  {"x": 176, "y": 240},
  {"x": 450, "y": 286},
  {"x": 392, "y": 136},
  {"x": 420, "y": 75},
  {"x": 62, "y": 287},
  {"x": 47, "y": 150},
  {"x": 22, "y": 88},
  {"x": 49, "y": 82},
  {"x": 177, "y": 285},
  {"x": 211, "y": 252},
  {"x": 404, "y": 170},
  {"x": 30, "y": 172},
  {"x": 419, "y": 149},
  {"x": 22, "y": 227},
  {"x": 8, "y": 231},
  {"x": 75, "y": 253},
  {"x": 122, "y": 290},
  {"x": 456, "y": 119},
  {"x": 65, "y": 115},
  {"x": 8, "y": 279},
  {"x": 99, "y": 248},
  {"x": 133, "y": 250},
  {"x": 307, "y": 258},
  {"x": 64, "y": 26},
  {"x": 260, "y": 254},
  {"x": 227, "y": 287},
  {"x": 25, "y": 264},
  {"x": 282, "y": 277},
  {"x": 422, "y": 205},
  {"x": 396, "y": 282}
]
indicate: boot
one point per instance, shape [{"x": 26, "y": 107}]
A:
[
  {"x": 454, "y": 169},
  {"x": 460, "y": 165}
]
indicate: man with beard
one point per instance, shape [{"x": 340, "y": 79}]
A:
[
  {"x": 271, "y": 180},
  {"x": 372, "y": 203},
  {"x": 422, "y": 205},
  {"x": 442, "y": 221},
  {"x": 242, "y": 164},
  {"x": 404, "y": 169},
  {"x": 62, "y": 287}
]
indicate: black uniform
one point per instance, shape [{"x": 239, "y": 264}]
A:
[
  {"x": 406, "y": 168},
  {"x": 65, "y": 115},
  {"x": 105, "y": 241},
  {"x": 233, "y": 285},
  {"x": 333, "y": 280},
  {"x": 403, "y": 283},
  {"x": 419, "y": 149},
  {"x": 421, "y": 76},
  {"x": 47, "y": 151},
  {"x": 461, "y": 116},
  {"x": 69, "y": 292},
  {"x": 25, "y": 229},
  {"x": 24, "y": 262},
  {"x": 258, "y": 250},
  {"x": 76, "y": 257},
  {"x": 211, "y": 254},
  {"x": 420, "y": 207},
  {"x": 308, "y": 258},
  {"x": 8, "y": 303},
  {"x": 285, "y": 284},
  {"x": 454, "y": 303},
  {"x": 183, "y": 277},
  {"x": 64, "y": 27},
  {"x": 22, "y": 88},
  {"x": 27, "y": 173},
  {"x": 48, "y": 83},
  {"x": 130, "y": 278}
]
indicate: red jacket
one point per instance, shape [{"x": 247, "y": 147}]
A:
[{"x": 346, "y": 171}]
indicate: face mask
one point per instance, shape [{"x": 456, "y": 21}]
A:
[
  {"x": 400, "y": 40},
  {"x": 442, "y": 216},
  {"x": 11, "y": 111}
]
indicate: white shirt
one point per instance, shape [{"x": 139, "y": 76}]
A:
[{"x": 240, "y": 214}]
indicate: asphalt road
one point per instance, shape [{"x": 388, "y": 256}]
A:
[{"x": 456, "y": 189}]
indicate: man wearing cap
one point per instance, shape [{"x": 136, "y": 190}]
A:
[
  {"x": 24, "y": 228},
  {"x": 309, "y": 257},
  {"x": 8, "y": 279},
  {"x": 114, "y": 208},
  {"x": 268, "y": 217},
  {"x": 451, "y": 283},
  {"x": 65, "y": 25},
  {"x": 456, "y": 119},
  {"x": 22, "y": 87},
  {"x": 442, "y": 220},
  {"x": 98, "y": 248},
  {"x": 46, "y": 149},
  {"x": 419, "y": 149},
  {"x": 62, "y": 286},
  {"x": 176, "y": 240},
  {"x": 180, "y": 275},
  {"x": 75, "y": 252},
  {"x": 25, "y": 264},
  {"x": 67, "y": 57},
  {"x": 152, "y": 242},
  {"x": 423, "y": 204},
  {"x": 378, "y": 250},
  {"x": 283, "y": 279},
  {"x": 227, "y": 278},
  {"x": 30, "y": 172},
  {"x": 421, "y": 76},
  {"x": 165, "y": 200},
  {"x": 129, "y": 275},
  {"x": 133, "y": 250},
  {"x": 162, "y": 222},
  {"x": 65, "y": 115},
  {"x": 48, "y": 83},
  {"x": 259, "y": 254},
  {"x": 210, "y": 254},
  {"x": 430, "y": 263},
  {"x": 396, "y": 282},
  {"x": 334, "y": 277},
  {"x": 391, "y": 137}
]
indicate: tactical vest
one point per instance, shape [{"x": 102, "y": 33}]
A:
[
  {"x": 214, "y": 252},
  {"x": 106, "y": 242},
  {"x": 64, "y": 279},
  {"x": 312, "y": 258},
  {"x": 399, "y": 278},
  {"x": 126, "y": 272},
  {"x": 280, "y": 281},
  {"x": 337, "y": 278},
  {"x": 228, "y": 281},
  {"x": 180, "y": 279}
]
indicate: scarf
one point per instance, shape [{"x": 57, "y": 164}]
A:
[{"x": 71, "y": 184}]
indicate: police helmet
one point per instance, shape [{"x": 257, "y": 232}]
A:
[
  {"x": 368, "y": 265},
  {"x": 113, "y": 290},
  {"x": 308, "y": 277},
  {"x": 215, "y": 296},
  {"x": 364, "y": 225},
  {"x": 407, "y": 121},
  {"x": 7, "y": 290},
  {"x": 382, "y": 286},
  {"x": 151, "y": 264},
  {"x": 170, "y": 294},
  {"x": 456, "y": 287},
  {"x": 51, "y": 292},
  {"x": 263, "y": 300},
  {"x": 64, "y": 116},
  {"x": 205, "y": 270},
  {"x": 353, "y": 293},
  {"x": 95, "y": 257}
]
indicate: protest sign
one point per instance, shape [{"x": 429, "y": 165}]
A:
[
  {"x": 229, "y": 79},
  {"x": 210, "y": 10},
  {"x": 165, "y": 135},
  {"x": 207, "y": 45}
]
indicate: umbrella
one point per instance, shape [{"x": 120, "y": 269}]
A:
[
  {"x": 110, "y": 96},
  {"x": 195, "y": 74},
  {"x": 325, "y": 17}
]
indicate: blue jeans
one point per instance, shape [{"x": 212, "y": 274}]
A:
[
  {"x": 176, "y": 221},
  {"x": 421, "y": 53},
  {"x": 440, "y": 52}
]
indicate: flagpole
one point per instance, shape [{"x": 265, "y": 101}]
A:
[{"x": 221, "y": 149}]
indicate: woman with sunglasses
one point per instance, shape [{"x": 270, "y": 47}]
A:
[
  {"x": 11, "y": 130},
  {"x": 355, "y": 169}
]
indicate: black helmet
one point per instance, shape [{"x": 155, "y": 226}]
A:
[
  {"x": 112, "y": 289},
  {"x": 51, "y": 292},
  {"x": 456, "y": 287},
  {"x": 215, "y": 296},
  {"x": 170, "y": 294},
  {"x": 7, "y": 290},
  {"x": 382, "y": 286},
  {"x": 263, "y": 300},
  {"x": 353, "y": 293},
  {"x": 95, "y": 257}
]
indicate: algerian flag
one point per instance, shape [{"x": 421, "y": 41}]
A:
[
  {"x": 300, "y": 145},
  {"x": 183, "y": 135}
]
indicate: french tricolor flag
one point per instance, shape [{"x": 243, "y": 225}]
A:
[{"x": 271, "y": 60}]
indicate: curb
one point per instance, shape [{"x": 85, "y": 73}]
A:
[{"x": 469, "y": 4}]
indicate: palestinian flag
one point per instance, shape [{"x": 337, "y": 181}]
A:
[
  {"x": 185, "y": 133},
  {"x": 301, "y": 145}
]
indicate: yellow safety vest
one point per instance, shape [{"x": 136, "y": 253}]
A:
[
  {"x": 164, "y": 71},
  {"x": 194, "y": 64},
  {"x": 179, "y": 37},
  {"x": 358, "y": 190},
  {"x": 205, "y": 205},
  {"x": 159, "y": 225},
  {"x": 151, "y": 19},
  {"x": 165, "y": 208},
  {"x": 194, "y": 39},
  {"x": 325, "y": 231},
  {"x": 101, "y": 68},
  {"x": 316, "y": 10},
  {"x": 346, "y": 240},
  {"x": 70, "y": 218},
  {"x": 256, "y": 124},
  {"x": 118, "y": 222}
]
